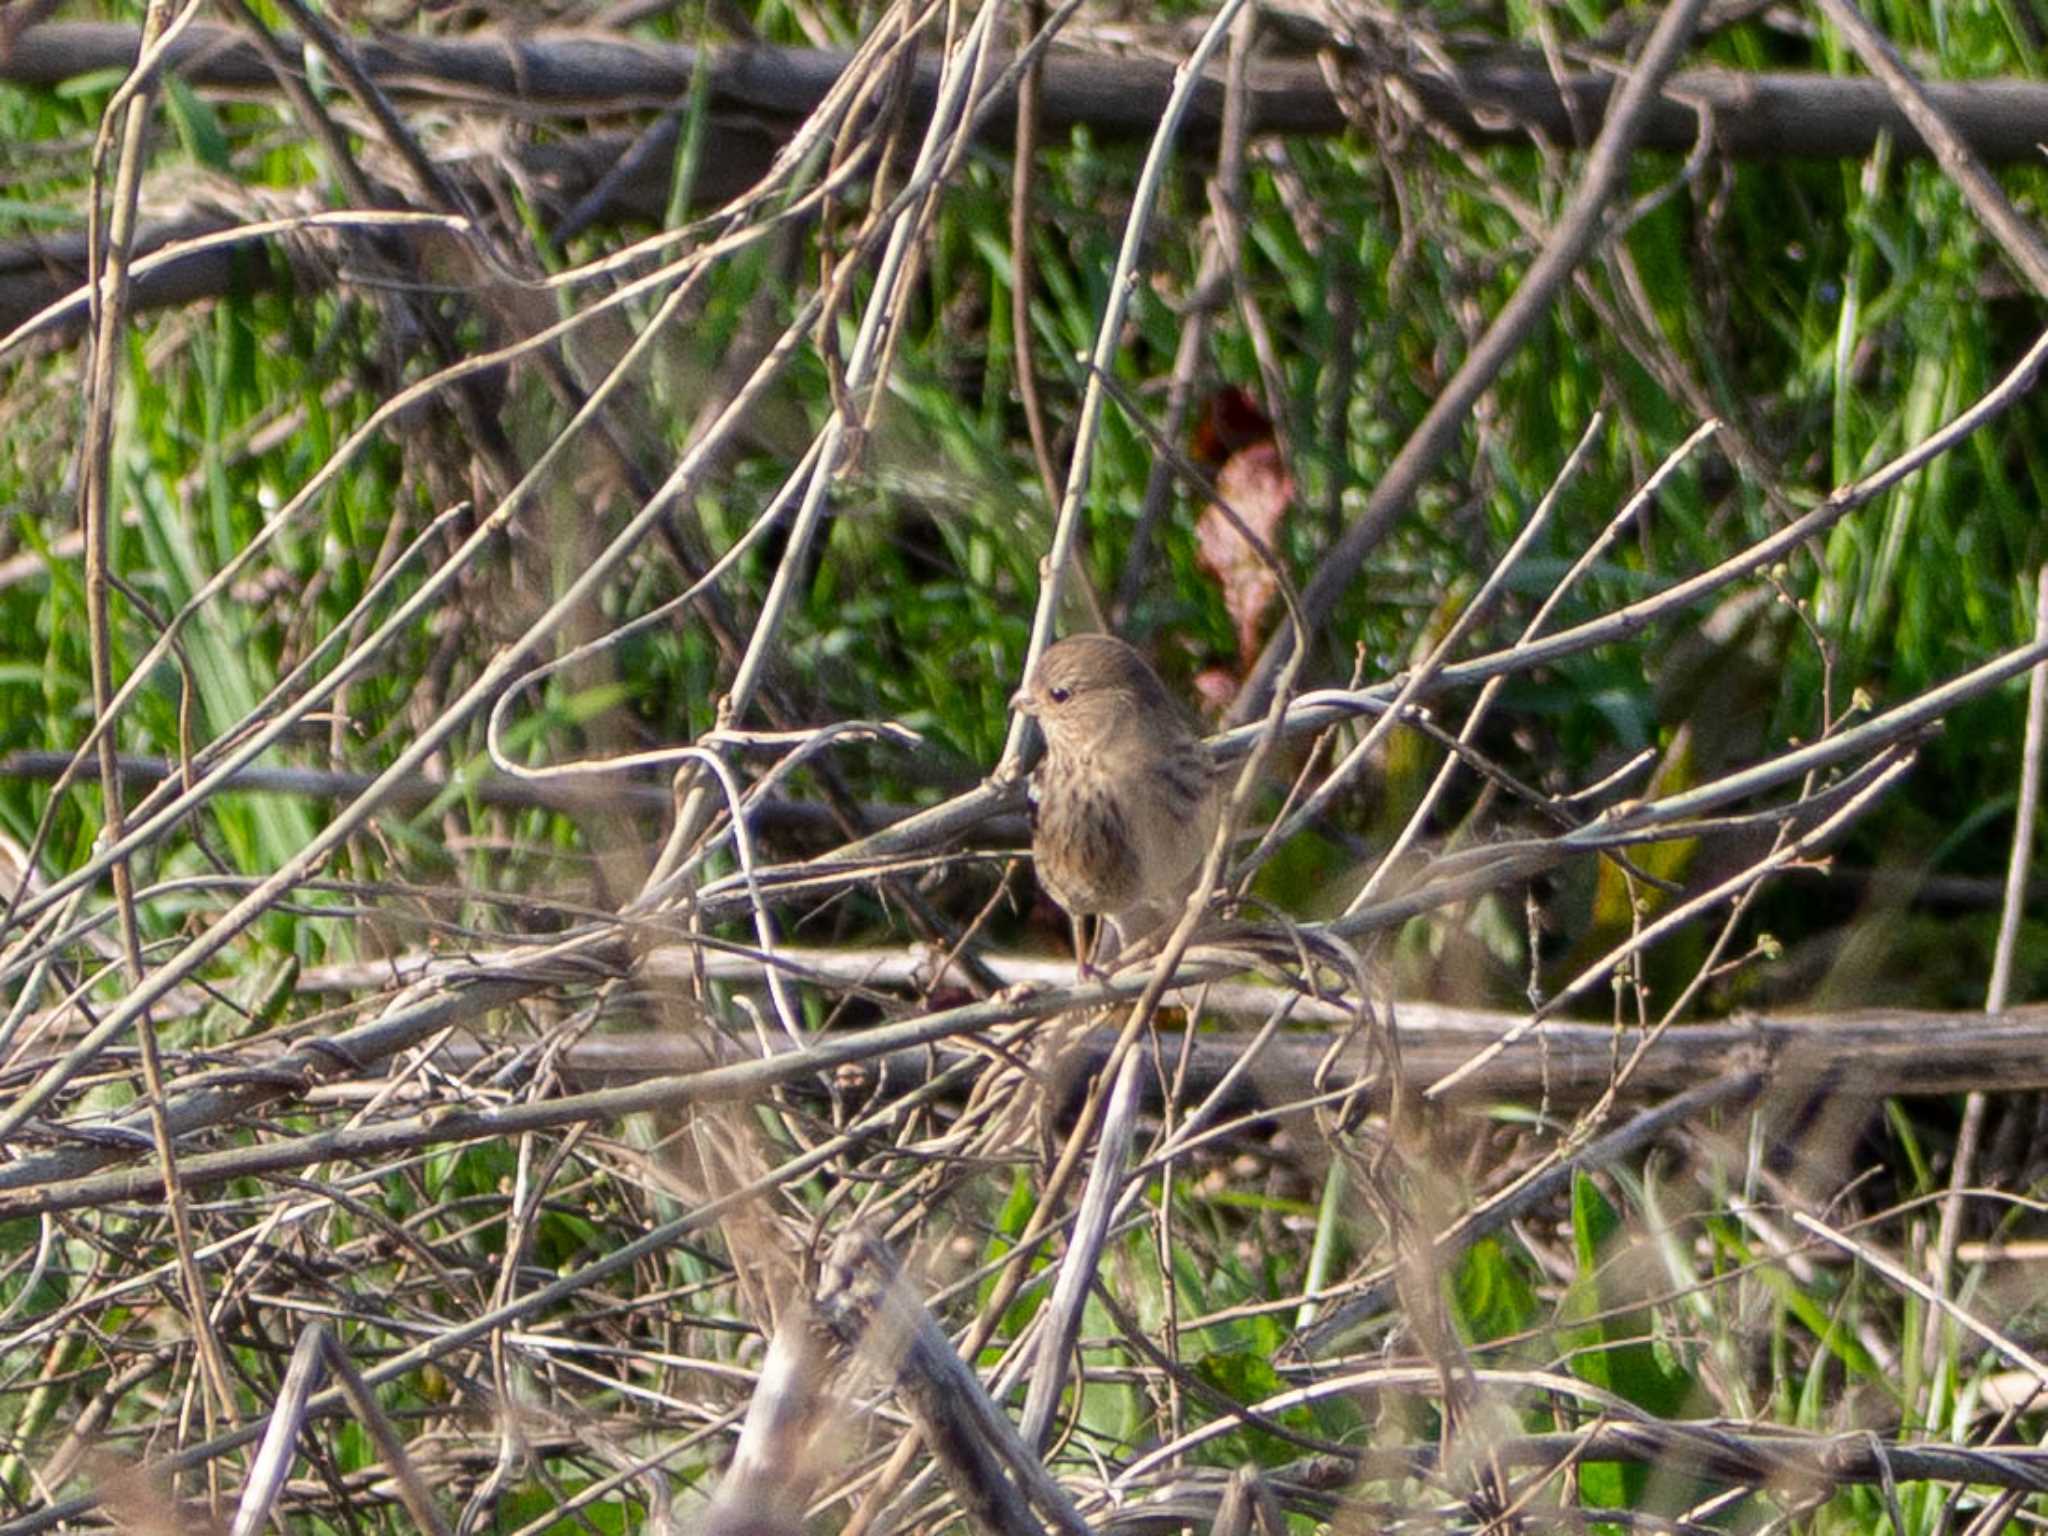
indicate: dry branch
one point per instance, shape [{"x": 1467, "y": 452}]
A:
[
  {"x": 863, "y": 1299},
  {"x": 1878, "y": 1052},
  {"x": 1724, "y": 1452},
  {"x": 1764, "y": 115},
  {"x": 1867, "y": 1055}
]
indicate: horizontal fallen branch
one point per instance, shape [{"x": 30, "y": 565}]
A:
[
  {"x": 1875, "y": 1052},
  {"x": 1723, "y": 1452},
  {"x": 1871, "y": 1054},
  {"x": 1763, "y": 115}
]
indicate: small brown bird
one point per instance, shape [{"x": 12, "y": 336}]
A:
[{"x": 1126, "y": 801}]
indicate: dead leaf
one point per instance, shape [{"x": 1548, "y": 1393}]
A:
[{"x": 1254, "y": 482}]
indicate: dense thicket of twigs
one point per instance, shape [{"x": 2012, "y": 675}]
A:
[{"x": 512, "y": 1003}]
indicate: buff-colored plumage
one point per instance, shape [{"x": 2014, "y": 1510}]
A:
[{"x": 1125, "y": 802}]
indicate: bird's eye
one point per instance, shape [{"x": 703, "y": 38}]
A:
[{"x": 1059, "y": 695}]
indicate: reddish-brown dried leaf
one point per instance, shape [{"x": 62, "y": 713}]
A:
[{"x": 1256, "y": 484}]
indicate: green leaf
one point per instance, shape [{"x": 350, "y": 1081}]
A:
[
  {"x": 1009, "y": 1226},
  {"x": 90, "y": 83},
  {"x": 199, "y": 130},
  {"x": 1616, "y": 1346},
  {"x": 1247, "y": 1377},
  {"x": 1492, "y": 1294}
]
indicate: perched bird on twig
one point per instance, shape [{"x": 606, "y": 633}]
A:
[{"x": 1126, "y": 800}]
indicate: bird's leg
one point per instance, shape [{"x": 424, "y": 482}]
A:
[
  {"x": 1109, "y": 943},
  {"x": 1087, "y": 969}
]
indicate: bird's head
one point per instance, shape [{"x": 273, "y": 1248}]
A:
[{"x": 1090, "y": 690}]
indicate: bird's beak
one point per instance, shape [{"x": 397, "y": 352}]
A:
[{"x": 1020, "y": 701}]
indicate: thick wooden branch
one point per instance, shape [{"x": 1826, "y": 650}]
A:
[
  {"x": 759, "y": 93},
  {"x": 1874, "y": 1053},
  {"x": 1723, "y": 1452},
  {"x": 1759, "y": 115}
]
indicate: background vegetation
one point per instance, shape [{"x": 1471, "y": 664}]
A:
[{"x": 1829, "y": 313}]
